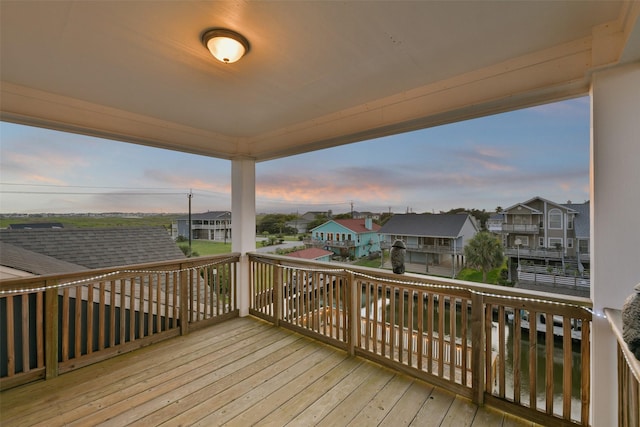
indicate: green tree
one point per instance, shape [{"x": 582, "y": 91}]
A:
[{"x": 484, "y": 252}]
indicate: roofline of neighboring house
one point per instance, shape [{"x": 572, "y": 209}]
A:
[{"x": 525, "y": 204}]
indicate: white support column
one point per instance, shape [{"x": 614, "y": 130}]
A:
[
  {"x": 615, "y": 234},
  {"x": 243, "y": 222}
]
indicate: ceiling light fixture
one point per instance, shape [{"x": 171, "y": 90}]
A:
[{"x": 225, "y": 45}]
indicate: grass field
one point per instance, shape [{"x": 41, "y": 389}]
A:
[{"x": 205, "y": 247}]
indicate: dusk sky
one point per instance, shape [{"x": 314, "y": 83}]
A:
[{"x": 483, "y": 163}]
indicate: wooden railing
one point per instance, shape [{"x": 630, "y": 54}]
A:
[
  {"x": 628, "y": 375},
  {"x": 56, "y": 323},
  {"x": 521, "y": 351}
]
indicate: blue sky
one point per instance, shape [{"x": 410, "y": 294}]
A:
[{"x": 482, "y": 163}]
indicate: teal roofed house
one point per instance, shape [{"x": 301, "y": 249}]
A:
[{"x": 352, "y": 238}]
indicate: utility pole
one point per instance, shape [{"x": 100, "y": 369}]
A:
[
  {"x": 190, "y": 196},
  {"x": 351, "y": 209}
]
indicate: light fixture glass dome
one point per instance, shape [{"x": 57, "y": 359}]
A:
[{"x": 225, "y": 45}]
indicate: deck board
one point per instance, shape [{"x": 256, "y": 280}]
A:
[{"x": 237, "y": 373}]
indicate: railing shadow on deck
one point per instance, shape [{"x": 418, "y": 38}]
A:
[
  {"x": 491, "y": 344},
  {"x": 56, "y": 323}
]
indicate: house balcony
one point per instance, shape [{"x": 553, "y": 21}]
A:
[
  {"x": 432, "y": 249},
  {"x": 539, "y": 253},
  {"x": 520, "y": 228},
  {"x": 323, "y": 343},
  {"x": 330, "y": 243}
]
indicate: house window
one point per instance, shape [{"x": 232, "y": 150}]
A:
[
  {"x": 541, "y": 242},
  {"x": 570, "y": 223},
  {"x": 555, "y": 219},
  {"x": 570, "y": 243},
  {"x": 322, "y": 236},
  {"x": 555, "y": 242},
  {"x": 524, "y": 240}
]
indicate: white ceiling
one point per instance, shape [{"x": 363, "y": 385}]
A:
[{"x": 318, "y": 73}]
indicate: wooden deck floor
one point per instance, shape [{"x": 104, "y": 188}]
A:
[{"x": 239, "y": 373}]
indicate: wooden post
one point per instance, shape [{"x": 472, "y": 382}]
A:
[
  {"x": 51, "y": 329},
  {"x": 184, "y": 300},
  {"x": 277, "y": 293},
  {"x": 477, "y": 349},
  {"x": 354, "y": 309}
]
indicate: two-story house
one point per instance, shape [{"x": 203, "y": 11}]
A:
[
  {"x": 435, "y": 241},
  {"x": 348, "y": 238},
  {"x": 301, "y": 223},
  {"x": 544, "y": 236},
  {"x": 211, "y": 225}
]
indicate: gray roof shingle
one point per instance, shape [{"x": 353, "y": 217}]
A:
[
  {"x": 97, "y": 247},
  {"x": 25, "y": 260},
  {"x": 581, "y": 223},
  {"x": 427, "y": 225}
]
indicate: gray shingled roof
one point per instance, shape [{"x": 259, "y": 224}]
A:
[
  {"x": 24, "y": 260},
  {"x": 426, "y": 225},
  {"x": 210, "y": 215},
  {"x": 97, "y": 247},
  {"x": 581, "y": 223}
]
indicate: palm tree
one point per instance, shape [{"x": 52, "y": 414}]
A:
[{"x": 484, "y": 252}]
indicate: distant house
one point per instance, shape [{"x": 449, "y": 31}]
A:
[
  {"x": 211, "y": 225},
  {"x": 494, "y": 223},
  {"x": 436, "y": 241},
  {"x": 44, "y": 251},
  {"x": 33, "y": 225},
  {"x": 362, "y": 215},
  {"x": 543, "y": 236},
  {"x": 347, "y": 238},
  {"x": 301, "y": 223},
  {"x": 314, "y": 254}
]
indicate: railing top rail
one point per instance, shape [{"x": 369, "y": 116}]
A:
[
  {"x": 35, "y": 283},
  {"x": 419, "y": 281}
]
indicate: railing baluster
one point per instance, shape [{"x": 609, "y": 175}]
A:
[
  {"x": 89, "y": 321},
  {"x": 585, "y": 348},
  {"x": 112, "y": 317},
  {"x": 478, "y": 354},
  {"x": 517, "y": 351},
  {"x": 11, "y": 327},
  {"x": 464, "y": 307},
  {"x": 26, "y": 364},
  {"x": 489, "y": 360},
  {"x": 132, "y": 309},
  {"x": 567, "y": 367},
  {"x": 452, "y": 338},
  {"x": 441, "y": 333},
  {"x": 77, "y": 339},
  {"x": 65, "y": 324},
  {"x": 502, "y": 357},
  {"x": 101, "y": 317},
  {"x": 40, "y": 332},
  {"x": 51, "y": 333},
  {"x": 533, "y": 344},
  {"x": 549, "y": 364},
  {"x": 159, "y": 295}
]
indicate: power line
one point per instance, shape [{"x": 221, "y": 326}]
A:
[{"x": 82, "y": 193}]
